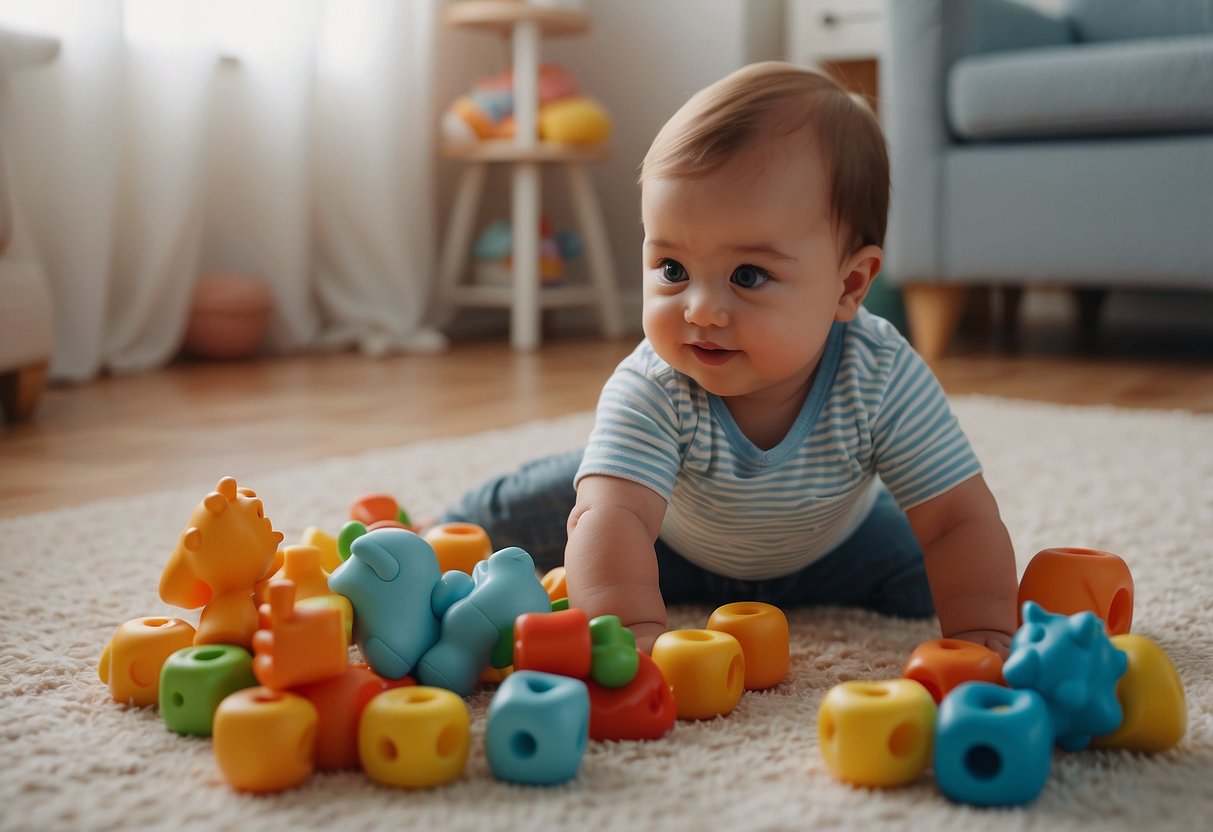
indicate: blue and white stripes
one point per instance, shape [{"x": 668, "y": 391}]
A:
[{"x": 875, "y": 410}]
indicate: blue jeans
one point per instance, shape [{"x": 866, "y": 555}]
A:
[{"x": 879, "y": 567}]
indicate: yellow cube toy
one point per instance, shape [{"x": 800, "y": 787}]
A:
[
  {"x": 1151, "y": 696},
  {"x": 877, "y": 733},
  {"x": 705, "y": 670},
  {"x": 265, "y": 740},
  {"x": 131, "y": 661},
  {"x": 414, "y": 737}
]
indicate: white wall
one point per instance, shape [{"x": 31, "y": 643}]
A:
[{"x": 642, "y": 59}]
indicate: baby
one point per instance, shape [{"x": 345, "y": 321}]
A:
[{"x": 769, "y": 439}]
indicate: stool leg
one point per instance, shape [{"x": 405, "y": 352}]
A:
[
  {"x": 524, "y": 312},
  {"x": 598, "y": 250},
  {"x": 933, "y": 310},
  {"x": 21, "y": 390},
  {"x": 458, "y": 239}
]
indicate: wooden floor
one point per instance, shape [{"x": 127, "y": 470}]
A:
[{"x": 193, "y": 422}]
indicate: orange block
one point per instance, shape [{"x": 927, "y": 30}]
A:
[
  {"x": 369, "y": 508},
  {"x": 942, "y": 664},
  {"x": 762, "y": 630},
  {"x": 705, "y": 669},
  {"x": 297, "y": 645},
  {"x": 264, "y": 740},
  {"x": 459, "y": 546},
  {"x": 1066, "y": 581},
  {"x": 302, "y": 564},
  {"x": 556, "y": 584},
  {"x": 131, "y": 661}
]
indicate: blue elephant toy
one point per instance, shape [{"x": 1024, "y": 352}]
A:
[
  {"x": 502, "y": 588},
  {"x": 390, "y": 578}
]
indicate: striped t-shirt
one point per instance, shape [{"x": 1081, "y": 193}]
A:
[{"x": 874, "y": 413}]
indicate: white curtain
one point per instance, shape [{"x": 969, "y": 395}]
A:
[{"x": 292, "y": 140}]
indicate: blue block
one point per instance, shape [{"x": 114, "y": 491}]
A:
[
  {"x": 1073, "y": 665},
  {"x": 993, "y": 745},
  {"x": 538, "y": 724},
  {"x": 389, "y": 578}
]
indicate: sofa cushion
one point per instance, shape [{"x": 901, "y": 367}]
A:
[
  {"x": 1102, "y": 20},
  {"x": 1151, "y": 86}
]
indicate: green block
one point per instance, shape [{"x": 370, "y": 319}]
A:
[
  {"x": 613, "y": 657},
  {"x": 560, "y": 604},
  {"x": 350, "y": 532},
  {"x": 503, "y": 653},
  {"x": 194, "y": 680}
]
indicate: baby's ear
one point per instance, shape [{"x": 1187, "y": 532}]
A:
[{"x": 857, "y": 272}]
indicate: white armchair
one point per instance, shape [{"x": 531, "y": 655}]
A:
[{"x": 27, "y": 332}]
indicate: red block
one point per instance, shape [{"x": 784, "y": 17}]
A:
[
  {"x": 553, "y": 642},
  {"x": 339, "y": 702},
  {"x": 643, "y": 709}
]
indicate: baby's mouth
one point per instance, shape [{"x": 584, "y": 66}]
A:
[{"x": 710, "y": 353}]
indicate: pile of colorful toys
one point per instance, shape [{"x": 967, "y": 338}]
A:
[
  {"x": 1075, "y": 677},
  {"x": 268, "y": 672}
]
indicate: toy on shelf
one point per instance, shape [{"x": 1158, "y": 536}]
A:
[
  {"x": 132, "y": 659},
  {"x": 195, "y": 680},
  {"x": 414, "y": 737},
  {"x": 1071, "y": 663},
  {"x": 943, "y": 664},
  {"x": 297, "y": 645},
  {"x": 493, "y": 252},
  {"x": 228, "y": 547},
  {"x": 993, "y": 745},
  {"x": 876, "y": 733},
  {"x": 1151, "y": 696},
  {"x": 762, "y": 631},
  {"x": 265, "y": 740},
  {"x": 705, "y": 669},
  {"x": 565, "y": 115},
  {"x": 1067, "y": 581},
  {"x": 537, "y": 728}
]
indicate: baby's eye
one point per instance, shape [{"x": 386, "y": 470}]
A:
[
  {"x": 750, "y": 277},
  {"x": 672, "y": 271}
]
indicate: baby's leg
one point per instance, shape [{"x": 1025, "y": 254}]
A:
[
  {"x": 879, "y": 567},
  {"x": 528, "y": 508}
]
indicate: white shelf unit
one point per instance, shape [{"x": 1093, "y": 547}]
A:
[{"x": 525, "y": 25}]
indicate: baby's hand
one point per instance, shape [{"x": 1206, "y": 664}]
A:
[
  {"x": 996, "y": 640},
  {"x": 646, "y": 634}
]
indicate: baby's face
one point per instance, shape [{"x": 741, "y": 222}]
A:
[{"x": 742, "y": 272}]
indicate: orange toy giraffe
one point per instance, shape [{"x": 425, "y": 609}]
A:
[{"x": 228, "y": 547}]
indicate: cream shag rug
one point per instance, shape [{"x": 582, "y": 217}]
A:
[{"x": 1137, "y": 483}]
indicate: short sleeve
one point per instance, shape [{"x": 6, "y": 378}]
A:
[
  {"x": 920, "y": 449},
  {"x": 636, "y": 433}
]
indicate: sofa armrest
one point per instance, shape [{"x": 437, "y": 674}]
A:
[{"x": 925, "y": 38}]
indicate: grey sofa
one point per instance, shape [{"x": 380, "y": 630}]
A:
[{"x": 1030, "y": 148}]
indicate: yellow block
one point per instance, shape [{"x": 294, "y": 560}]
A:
[
  {"x": 877, "y": 733},
  {"x": 265, "y": 740},
  {"x": 1152, "y": 697},
  {"x": 705, "y": 670},
  {"x": 414, "y": 737}
]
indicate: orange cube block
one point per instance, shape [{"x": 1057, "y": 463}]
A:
[
  {"x": 131, "y": 661},
  {"x": 297, "y": 645},
  {"x": 369, "y": 508},
  {"x": 302, "y": 564},
  {"x": 762, "y": 631},
  {"x": 264, "y": 740},
  {"x": 944, "y": 663},
  {"x": 459, "y": 546},
  {"x": 705, "y": 670},
  {"x": 1066, "y": 581},
  {"x": 556, "y": 584}
]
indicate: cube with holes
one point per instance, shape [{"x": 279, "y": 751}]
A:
[
  {"x": 705, "y": 669},
  {"x": 943, "y": 664},
  {"x": 876, "y": 733},
  {"x": 538, "y": 724},
  {"x": 195, "y": 680},
  {"x": 993, "y": 745},
  {"x": 414, "y": 737},
  {"x": 132, "y": 660}
]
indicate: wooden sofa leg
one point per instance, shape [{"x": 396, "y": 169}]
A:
[
  {"x": 933, "y": 311},
  {"x": 21, "y": 390}
]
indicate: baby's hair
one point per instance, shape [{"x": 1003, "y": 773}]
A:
[{"x": 774, "y": 99}]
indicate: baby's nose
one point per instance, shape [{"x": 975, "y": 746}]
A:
[{"x": 706, "y": 308}]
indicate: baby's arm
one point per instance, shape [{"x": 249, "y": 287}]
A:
[
  {"x": 610, "y": 564},
  {"x": 970, "y": 564}
]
